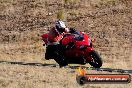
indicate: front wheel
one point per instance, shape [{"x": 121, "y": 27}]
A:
[{"x": 96, "y": 60}]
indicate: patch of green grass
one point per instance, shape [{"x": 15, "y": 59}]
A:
[
  {"x": 71, "y": 1},
  {"x": 108, "y": 2},
  {"x": 61, "y": 15},
  {"x": 6, "y": 1}
]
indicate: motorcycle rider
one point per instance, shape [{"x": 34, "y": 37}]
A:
[{"x": 54, "y": 48}]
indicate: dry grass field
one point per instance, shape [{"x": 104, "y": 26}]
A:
[{"x": 22, "y": 22}]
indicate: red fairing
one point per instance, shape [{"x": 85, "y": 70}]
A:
[
  {"x": 67, "y": 39},
  {"x": 83, "y": 42},
  {"x": 89, "y": 49},
  {"x": 76, "y": 52},
  {"x": 70, "y": 38}
]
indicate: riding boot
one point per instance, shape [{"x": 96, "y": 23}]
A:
[
  {"x": 61, "y": 59},
  {"x": 49, "y": 52}
]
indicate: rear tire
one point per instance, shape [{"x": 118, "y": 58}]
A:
[{"x": 96, "y": 60}]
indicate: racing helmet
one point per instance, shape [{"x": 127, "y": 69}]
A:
[{"x": 60, "y": 26}]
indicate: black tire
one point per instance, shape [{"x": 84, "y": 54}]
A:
[
  {"x": 96, "y": 60},
  {"x": 81, "y": 80}
]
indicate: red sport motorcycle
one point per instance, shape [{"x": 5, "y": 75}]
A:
[{"x": 78, "y": 51}]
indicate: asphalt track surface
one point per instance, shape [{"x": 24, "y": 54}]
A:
[{"x": 71, "y": 67}]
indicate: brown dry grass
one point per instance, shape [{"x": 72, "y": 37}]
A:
[{"x": 23, "y": 21}]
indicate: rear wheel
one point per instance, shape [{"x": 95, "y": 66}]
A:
[{"x": 96, "y": 60}]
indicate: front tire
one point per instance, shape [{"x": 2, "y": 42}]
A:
[{"x": 96, "y": 60}]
